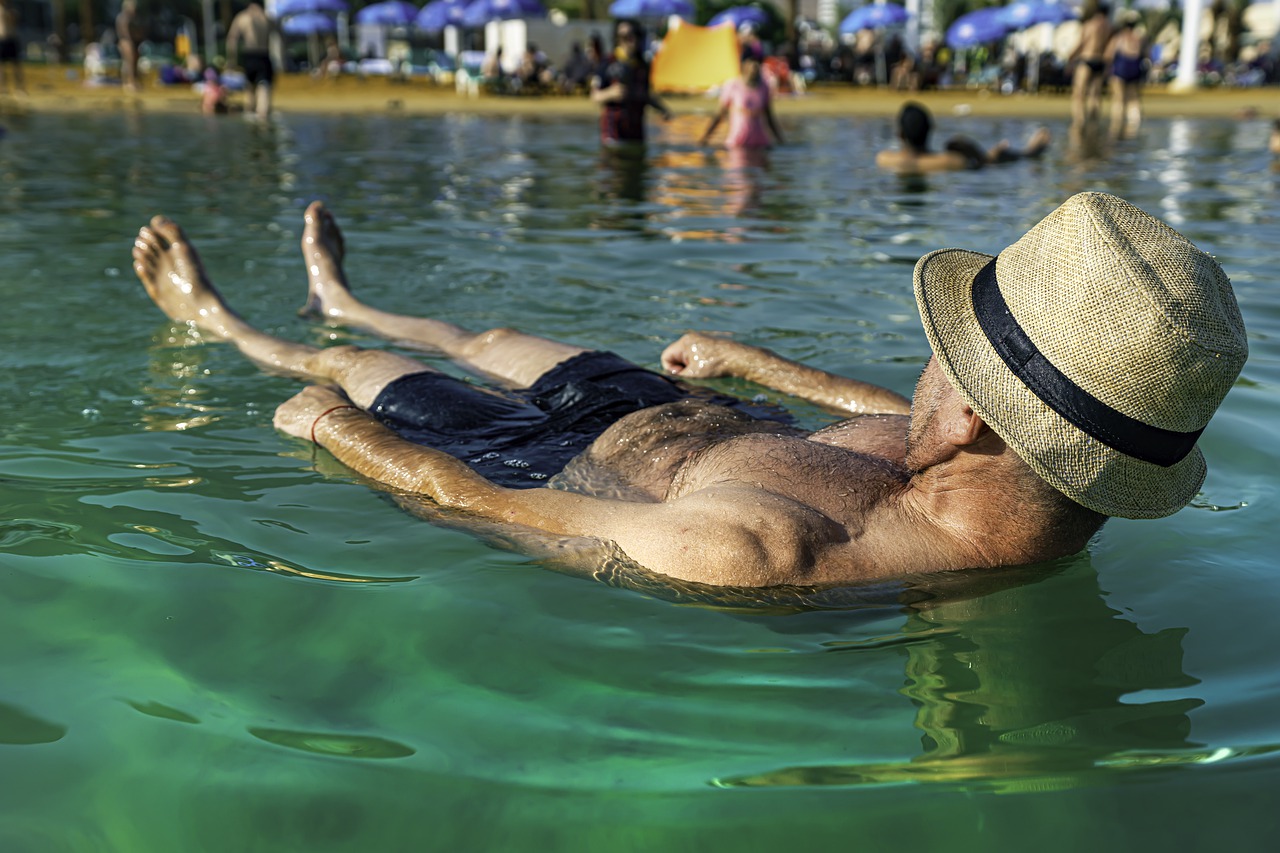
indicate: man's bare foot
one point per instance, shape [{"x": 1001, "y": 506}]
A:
[
  {"x": 1038, "y": 142},
  {"x": 170, "y": 270},
  {"x": 323, "y": 250}
]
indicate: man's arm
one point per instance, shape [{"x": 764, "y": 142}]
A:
[
  {"x": 660, "y": 105},
  {"x": 604, "y": 91},
  {"x": 700, "y": 356},
  {"x": 724, "y": 536}
]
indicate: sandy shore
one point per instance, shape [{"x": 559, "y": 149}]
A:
[{"x": 61, "y": 89}]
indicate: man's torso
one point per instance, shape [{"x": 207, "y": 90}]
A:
[
  {"x": 669, "y": 451},
  {"x": 1094, "y": 35},
  {"x": 252, "y": 30}
]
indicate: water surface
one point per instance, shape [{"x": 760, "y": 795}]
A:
[{"x": 213, "y": 638}]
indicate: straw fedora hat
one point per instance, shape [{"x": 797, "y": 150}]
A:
[{"x": 1097, "y": 346}]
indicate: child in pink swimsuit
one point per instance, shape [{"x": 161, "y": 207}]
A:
[{"x": 747, "y": 103}]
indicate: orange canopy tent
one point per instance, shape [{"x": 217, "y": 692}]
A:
[{"x": 694, "y": 59}]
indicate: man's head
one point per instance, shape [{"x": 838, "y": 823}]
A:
[
  {"x": 914, "y": 126},
  {"x": 944, "y": 426},
  {"x": 1096, "y": 347}
]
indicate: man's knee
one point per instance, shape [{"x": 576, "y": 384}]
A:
[
  {"x": 483, "y": 341},
  {"x": 338, "y": 358}
]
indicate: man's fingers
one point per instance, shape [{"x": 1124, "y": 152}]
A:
[{"x": 674, "y": 359}]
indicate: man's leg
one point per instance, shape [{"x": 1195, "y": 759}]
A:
[
  {"x": 250, "y": 95},
  {"x": 513, "y": 356},
  {"x": 175, "y": 279},
  {"x": 1036, "y": 145},
  {"x": 264, "y": 100}
]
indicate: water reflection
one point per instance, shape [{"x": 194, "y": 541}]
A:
[
  {"x": 177, "y": 398},
  {"x": 1087, "y": 143},
  {"x": 623, "y": 173},
  {"x": 1036, "y": 686}
]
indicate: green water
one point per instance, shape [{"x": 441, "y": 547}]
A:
[{"x": 212, "y": 640}]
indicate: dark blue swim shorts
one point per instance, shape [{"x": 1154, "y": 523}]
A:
[{"x": 521, "y": 438}]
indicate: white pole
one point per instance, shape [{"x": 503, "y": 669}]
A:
[
  {"x": 210, "y": 42},
  {"x": 913, "y": 26},
  {"x": 1189, "y": 54}
]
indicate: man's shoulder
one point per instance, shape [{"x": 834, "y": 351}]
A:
[{"x": 896, "y": 159}]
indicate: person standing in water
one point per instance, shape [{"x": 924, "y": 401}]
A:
[
  {"x": 1091, "y": 66},
  {"x": 621, "y": 87},
  {"x": 248, "y": 46},
  {"x": 748, "y": 103},
  {"x": 1127, "y": 59},
  {"x": 128, "y": 36}
]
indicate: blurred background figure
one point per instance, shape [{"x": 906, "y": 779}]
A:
[
  {"x": 1127, "y": 58},
  {"x": 10, "y": 48},
  {"x": 913, "y": 157},
  {"x": 621, "y": 87},
  {"x": 748, "y": 103},
  {"x": 129, "y": 35},
  {"x": 213, "y": 95},
  {"x": 1091, "y": 67},
  {"x": 248, "y": 47}
]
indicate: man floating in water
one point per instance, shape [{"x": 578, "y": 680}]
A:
[
  {"x": 914, "y": 157},
  {"x": 1071, "y": 378}
]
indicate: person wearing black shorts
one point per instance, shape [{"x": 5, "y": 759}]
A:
[{"x": 248, "y": 46}]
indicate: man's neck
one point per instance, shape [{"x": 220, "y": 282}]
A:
[{"x": 980, "y": 512}]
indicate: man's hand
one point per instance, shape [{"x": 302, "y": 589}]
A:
[
  {"x": 297, "y": 415},
  {"x": 699, "y": 356}
]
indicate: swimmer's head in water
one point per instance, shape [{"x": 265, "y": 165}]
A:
[
  {"x": 1098, "y": 346},
  {"x": 914, "y": 126}
]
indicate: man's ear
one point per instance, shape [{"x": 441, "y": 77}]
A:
[{"x": 965, "y": 427}]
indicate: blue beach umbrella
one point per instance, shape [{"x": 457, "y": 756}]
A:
[
  {"x": 308, "y": 24},
  {"x": 438, "y": 14},
  {"x": 481, "y": 12},
  {"x": 650, "y": 8},
  {"x": 389, "y": 13},
  {"x": 975, "y": 28},
  {"x": 288, "y": 8},
  {"x": 873, "y": 16},
  {"x": 739, "y": 15},
  {"x": 1027, "y": 13}
]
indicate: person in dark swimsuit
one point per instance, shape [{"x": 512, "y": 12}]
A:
[
  {"x": 1127, "y": 53},
  {"x": 621, "y": 87}
]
